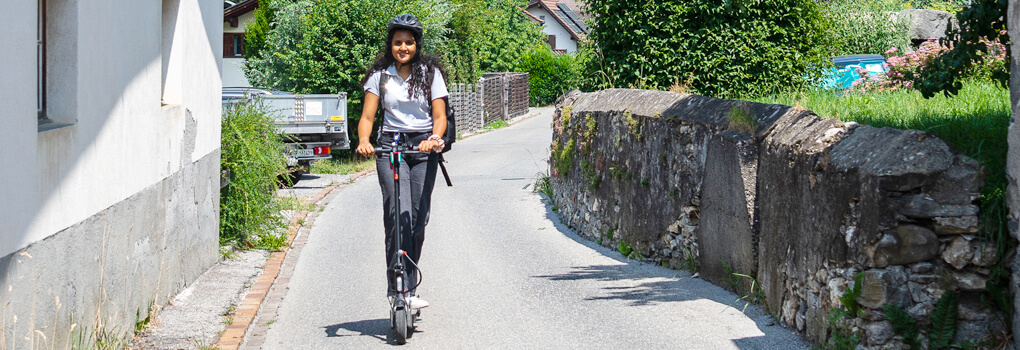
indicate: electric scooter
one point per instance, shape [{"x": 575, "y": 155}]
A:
[{"x": 402, "y": 317}]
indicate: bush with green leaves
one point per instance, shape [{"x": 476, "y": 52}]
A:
[
  {"x": 252, "y": 156},
  {"x": 973, "y": 43},
  {"x": 549, "y": 74},
  {"x": 721, "y": 48}
]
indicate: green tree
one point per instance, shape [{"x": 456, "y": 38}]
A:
[
  {"x": 258, "y": 28},
  {"x": 489, "y": 36},
  {"x": 717, "y": 47}
]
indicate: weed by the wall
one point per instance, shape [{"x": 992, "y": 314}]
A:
[
  {"x": 496, "y": 125},
  {"x": 563, "y": 157},
  {"x": 849, "y": 297},
  {"x": 940, "y": 331},
  {"x": 250, "y": 153},
  {"x": 754, "y": 294},
  {"x": 633, "y": 124},
  {"x": 624, "y": 249},
  {"x": 741, "y": 119},
  {"x": 543, "y": 186},
  {"x": 843, "y": 335},
  {"x": 592, "y": 177}
]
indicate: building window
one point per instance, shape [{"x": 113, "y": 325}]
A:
[
  {"x": 40, "y": 53},
  {"x": 233, "y": 45},
  {"x": 552, "y": 42},
  {"x": 542, "y": 18}
]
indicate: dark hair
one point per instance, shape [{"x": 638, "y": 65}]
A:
[{"x": 421, "y": 81}]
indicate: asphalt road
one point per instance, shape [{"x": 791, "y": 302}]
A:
[{"x": 502, "y": 272}]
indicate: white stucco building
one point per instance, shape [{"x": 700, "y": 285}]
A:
[
  {"x": 110, "y": 138},
  {"x": 235, "y": 17},
  {"x": 563, "y": 20}
]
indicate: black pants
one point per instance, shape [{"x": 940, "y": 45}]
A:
[{"x": 417, "y": 178}]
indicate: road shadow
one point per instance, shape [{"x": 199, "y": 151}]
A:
[
  {"x": 377, "y": 328},
  {"x": 652, "y": 284}
]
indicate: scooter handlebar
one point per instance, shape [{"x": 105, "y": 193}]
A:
[{"x": 380, "y": 151}]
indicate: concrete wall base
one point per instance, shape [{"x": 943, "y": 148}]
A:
[{"x": 108, "y": 272}]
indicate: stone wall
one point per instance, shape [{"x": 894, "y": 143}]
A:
[{"x": 801, "y": 203}]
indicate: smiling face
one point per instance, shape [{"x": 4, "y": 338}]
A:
[{"x": 403, "y": 46}]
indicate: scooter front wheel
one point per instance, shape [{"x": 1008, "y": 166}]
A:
[{"x": 400, "y": 314}]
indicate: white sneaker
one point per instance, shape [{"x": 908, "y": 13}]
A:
[{"x": 417, "y": 303}]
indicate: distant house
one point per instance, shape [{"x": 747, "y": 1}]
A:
[
  {"x": 235, "y": 16},
  {"x": 111, "y": 203},
  {"x": 563, "y": 20}
]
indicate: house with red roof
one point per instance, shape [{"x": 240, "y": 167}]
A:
[{"x": 563, "y": 20}]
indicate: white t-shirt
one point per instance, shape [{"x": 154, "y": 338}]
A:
[{"x": 402, "y": 113}]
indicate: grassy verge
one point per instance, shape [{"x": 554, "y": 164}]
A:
[{"x": 342, "y": 164}]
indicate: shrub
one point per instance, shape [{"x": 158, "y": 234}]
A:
[
  {"x": 904, "y": 69},
  {"x": 549, "y": 74},
  {"x": 722, "y": 47},
  {"x": 251, "y": 153},
  {"x": 981, "y": 23}
]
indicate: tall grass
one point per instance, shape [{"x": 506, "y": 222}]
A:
[{"x": 251, "y": 153}]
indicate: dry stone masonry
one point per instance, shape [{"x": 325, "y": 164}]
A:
[{"x": 802, "y": 203}]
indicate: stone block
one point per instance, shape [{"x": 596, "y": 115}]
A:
[
  {"x": 923, "y": 206},
  {"x": 985, "y": 254},
  {"x": 961, "y": 183},
  {"x": 956, "y": 225},
  {"x": 881, "y": 287},
  {"x": 969, "y": 281},
  {"x": 908, "y": 244},
  {"x": 958, "y": 253},
  {"x": 878, "y": 333},
  {"x": 926, "y": 24}
]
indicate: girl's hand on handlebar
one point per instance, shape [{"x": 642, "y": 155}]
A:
[
  {"x": 365, "y": 148},
  {"x": 427, "y": 145}
]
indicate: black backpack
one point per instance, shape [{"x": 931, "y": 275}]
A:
[{"x": 450, "y": 136}]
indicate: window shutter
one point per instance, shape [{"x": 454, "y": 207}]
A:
[{"x": 228, "y": 45}]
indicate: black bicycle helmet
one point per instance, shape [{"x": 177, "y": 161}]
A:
[{"x": 405, "y": 21}]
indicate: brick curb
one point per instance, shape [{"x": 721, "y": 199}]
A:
[{"x": 249, "y": 324}]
